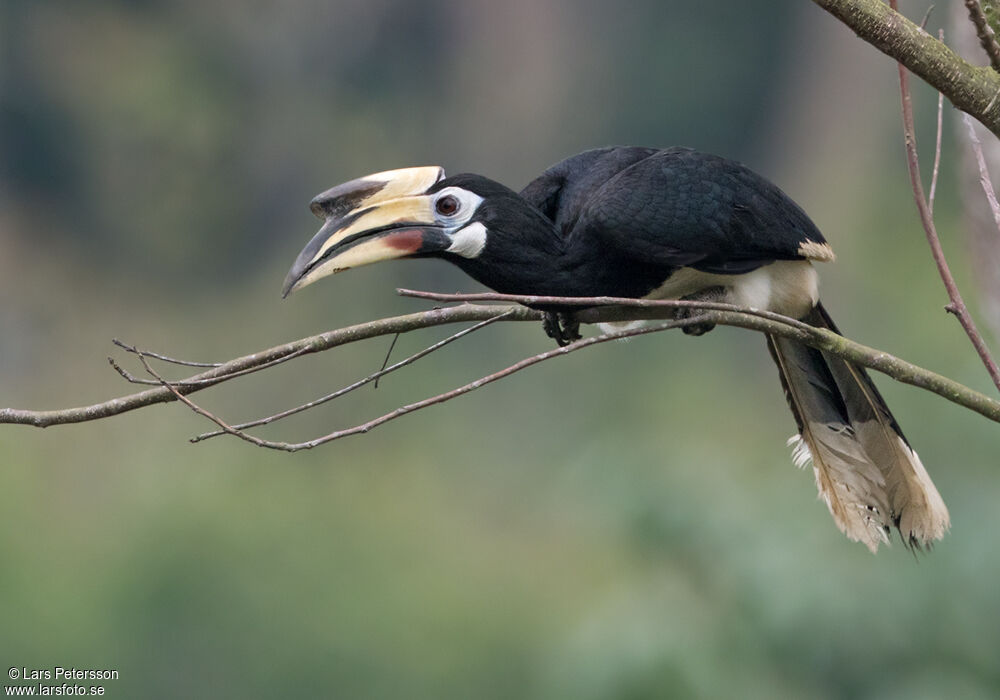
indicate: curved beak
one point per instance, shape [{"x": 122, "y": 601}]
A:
[{"x": 374, "y": 218}]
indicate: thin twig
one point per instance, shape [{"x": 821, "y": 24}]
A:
[
  {"x": 970, "y": 88},
  {"x": 984, "y": 32},
  {"x": 984, "y": 174},
  {"x": 957, "y": 305},
  {"x": 762, "y": 321},
  {"x": 937, "y": 140},
  {"x": 445, "y": 396},
  {"x": 171, "y": 360},
  {"x": 125, "y": 374},
  {"x": 361, "y": 382},
  {"x": 132, "y": 379},
  {"x": 818, "y": 337},
  {"x": 827, "y": 341},
  {"x": 388, "y": 354},
  {"x": 198, "y": 409},
  {"x": 626, "y": 302},
  {"x": 227, "y": 370},
  {"x": 927, "y": 16}
]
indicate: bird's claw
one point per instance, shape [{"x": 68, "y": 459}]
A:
[
  {"x": 694, "y": 328},
  {"x": 710, "y": 294},
  {"x": 561, "y": 327}
]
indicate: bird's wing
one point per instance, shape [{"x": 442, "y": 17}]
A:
[
  {"x": 679, "y": 207},
  {"x": 561, "y": 192}
]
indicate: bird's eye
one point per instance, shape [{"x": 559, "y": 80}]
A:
[{"x": 448, "y": 205}]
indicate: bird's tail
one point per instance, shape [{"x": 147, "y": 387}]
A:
[{"x": 866, "y": 471}]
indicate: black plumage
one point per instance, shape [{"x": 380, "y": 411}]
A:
[
  {"x": 674, "y": 207},
  {"x": 642, "y": 222},
  {"x": 620, "y": 221}
]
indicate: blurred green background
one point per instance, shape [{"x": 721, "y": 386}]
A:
[{"x": 623, "y": 523}]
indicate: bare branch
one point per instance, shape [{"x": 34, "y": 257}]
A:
[
  {"x": 764, "y": 322},
  {"x": 984, "y": 32},
  {"x": 361, "y": 382},
  {"x": 641, "y": 309},
  {"x": 198, "y": 409},
  {"x": 385, "y": 362},
  {"x": 937, "y": 139},
  {"x": 970, "y": 88},
  {"x": 722, "y": 314},
  {"x": 984, "y": 173},
  {"x": 124, "y": 373},
  {"x": 225, "y": 371},
  {"x": 957, "y": 304},
  {"x": 185, "y": 383},
  {"x": 164, "y": 358},
  {"x": 445, "y": 396},
  {"x": 927, "y": 16}
]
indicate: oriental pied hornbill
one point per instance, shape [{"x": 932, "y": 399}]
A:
[{"x": 644, "y": 222}]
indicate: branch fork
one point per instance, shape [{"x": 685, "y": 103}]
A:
[{"x": 593, "y": 310}]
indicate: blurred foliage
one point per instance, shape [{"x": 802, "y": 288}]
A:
[{"x": 623, "y": 523}]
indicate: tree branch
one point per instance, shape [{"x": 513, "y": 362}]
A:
[
  {"x": 374, "y": 377},
  {"x": 984, "y": 32},
  {"x": 164, "y": 358},
  {"x": 610, "y": 309},
  {"x": 621, "y": 310},
  {"x": 990, "y": 10},
  {"x": 972, "y": 89},
  {"x": 937, "y": 143},
  {"x": 227, "y": 370},
  {"x": 433, "y": 400},
  {"x": 985, "y": 181},
  {"x": 764, "y": 322},
  {"x": 132, "y": 379},
  {"x": 957, "y": 304}
]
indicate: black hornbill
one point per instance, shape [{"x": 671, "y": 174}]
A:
[{"x": 651, "y": 223}]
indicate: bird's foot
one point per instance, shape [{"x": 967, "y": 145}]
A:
[
  {"x": 709, "y": 294},
  {"x": 561, "y": 327}
]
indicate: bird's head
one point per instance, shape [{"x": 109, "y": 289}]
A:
[{"x": 414, "y": 212}]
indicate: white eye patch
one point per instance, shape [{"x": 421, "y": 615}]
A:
[
  {"x": 469, "y": 241},
  {"x": 460, "y": 205}
]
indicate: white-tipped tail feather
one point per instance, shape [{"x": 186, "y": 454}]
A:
[
  {"x": 866, "y": 473},
  {"x": 850, "y": 500}
]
